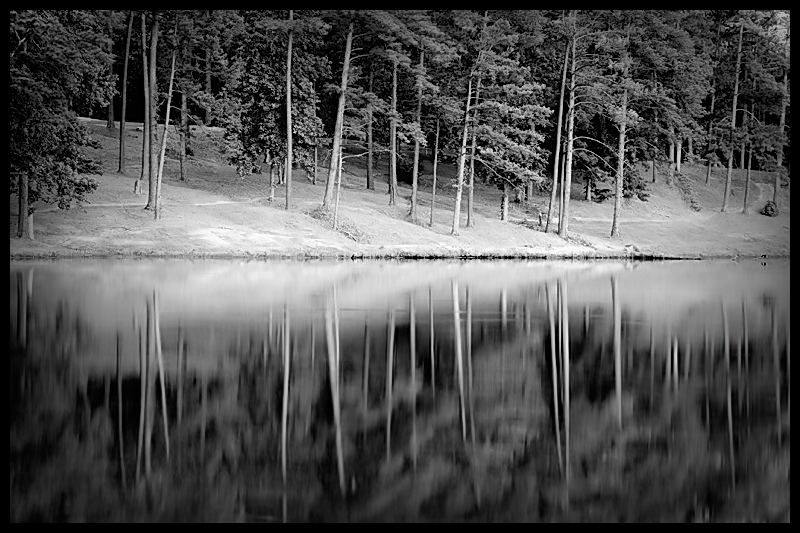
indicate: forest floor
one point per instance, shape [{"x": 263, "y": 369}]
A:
[{"x": 215, "y": 213}]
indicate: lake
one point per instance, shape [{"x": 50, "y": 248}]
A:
[{"x": 211, "y": 390}]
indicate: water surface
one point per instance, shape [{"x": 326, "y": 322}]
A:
[{"x": 403, "y": 391}]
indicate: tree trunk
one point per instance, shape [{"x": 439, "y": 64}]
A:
[
  {"x": 678, "y": 155},
  {"x": 654, "y": 170},
  {"x": 24, "y": 218},
  {"x": 747, "y": 179},
  {"x": 415, "y": 170},
  {"x": 271, "y": 182},
  {"x": 504, "y": 203},
  {"x": 152, "y": 200},
  {"x": 121, "y": 168},
  {"x": 733, "y": 119},
  {"x": 337, "y": 134},
  {"x": 713, "y": 98},
  {"x": 370, "y": 177},
  {"x": 776, "y": 195},
  {"x": 316, "y": 163},
  {"x": 166, "y": 126},
  {"x": 289, "y": 159},
  {"x": 589, "y": 189},
  {"x": 182, "y": 133},
  {"x": 137, "y": 187},
  {"x": 563, "y": 222},
  {"x": 621, "y": 165},
  {"x": 558, "y": 140},
  {"x": 461, "y": 157},
  {"x": 393, "y": 141},
  {"x": 110, "y": 123},
  {"x": 470, "y": 191},
  {"x": 435, "y": 162},
  {"x": 689, "y": 146}
]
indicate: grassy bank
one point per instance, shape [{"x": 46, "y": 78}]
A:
[{"x": 217, "y": 214}]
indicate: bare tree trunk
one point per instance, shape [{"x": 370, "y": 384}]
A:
[
  {"x": 471, "y": 187},
  {"x": 558, "y": 140},
  {"x": 776, "y": 194},
  {"x": 733, "y": 119},
  {"x": 589, "y": 189},
  {"x": 370, "y": 177},
  {"x": 121, "y": 168},
  {"x": 713, "y": 98},
  {"x": 393, "y": 141},
  {"x": 461, "y": 157},
  {"x": 271, "y": 182},
  {"x": 435, "y": 162},
  {"x": 316, "y": 164},
  {"x": 337, "y": 134},
  {"x": 152, "y": 200},
  {"x": 678, "y": 155},
  {"x": 621, "y": 164},
  {"x": 289, "y": 159},
  {"x": 747, "y": 180},
  {"x": 137, "y": 187},
  {"x": 563, "y": 222},
  {"x": 653, "y": 162},
  {"x": 415, "y": 170},
  {"x": 110, "y": 123},
  {"x": 166, "y": 126},
  {"x": 182, "y": 133},
  {"x": 25, "y": 217},
  {"x": 504, "y": 203}
]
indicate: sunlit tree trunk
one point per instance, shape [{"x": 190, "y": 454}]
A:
[
  {"x": 471, "y": 187},
  {"x": 747, "y": 179},
  {"x": 678, "y": 155},
  {"x": 152, "y": 199},
  {"x": 415, "y": 170},
  {"x": 137, "y": 187},
  {"x": 776, "y": 195},
  {"x": 121, "y": 168},
  {"x": 621, "y": 164},
  {"x": 110, "y": 122},
  {"x": 370, "y": 164},
  {"x": 563, "y": 222},
  {"x": 182, "y": 134},
  {"x": 289, "y": 159},
  {"x": 337, "y": 134},
  {"x": 556, "y": 161},
  {"x": 166, "y": 126},
  {"x": 435, "y": 162},
  {"x": 733, "y": 119},
  {"x": 713, "y": 98},
  {"x": 461, "y": 158},
  {"x": 504, "y": 203},
  {"x": 393, "y": 141}
]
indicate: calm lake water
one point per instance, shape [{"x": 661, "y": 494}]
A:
[{"x": 177, "y": 390}]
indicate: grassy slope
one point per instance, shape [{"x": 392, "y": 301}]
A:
[{"x": 217, "y": 213}]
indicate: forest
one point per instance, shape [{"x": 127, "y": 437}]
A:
[{"x": 522, "y": 100}]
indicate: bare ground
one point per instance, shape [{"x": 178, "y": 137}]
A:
[{"x": 216, "y": 213}]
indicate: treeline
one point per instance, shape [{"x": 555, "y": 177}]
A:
[{"x": 522, "y": 99}]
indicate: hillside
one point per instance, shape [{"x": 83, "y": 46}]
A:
[{"x": 216, "y": 213}]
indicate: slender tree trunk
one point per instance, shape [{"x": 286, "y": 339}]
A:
[
  {"x": 733, "y": 120},
  {"x": 337, "y": 134},
  {"x": 166, "y": 126},
  {"x": 653, "y": 162},
  {"x": 471, "y": 188},
  {"x": 137, "y": 187},
  {"x": 678, "y": 155},
  {"x": 589, "y": 189},
  {"x": 671, "y": 150},
  {"x": 25, "y": 217},
  {"x": 459, "y": 359},
  {"x": 182, "y": 133},
  {"x": 121, "y": 168},
  {"x": 563, "y": 223},
  {"x": 617, "y": 347},
  {"x": 393, "y": 141},
  {"x": 271, "y": 182},
  {"x": 621, "y": 166},
  {"x": 415, "y": 170},
  {"x": 689, "y": 147},
  {"x": 747, "y": 179},
  {"x": 151, "y": 197},
  {"x": 713, "y": 98},
  {"x": 504, "y": 203},
  {"x": 316, "y": 164},
  {"x": 776, "y": 194},
  {"x": 289, "y": 159},
  {"x": 461, "y": 157},
  {"x": 556, "y": 161},
  {"x": 370, "y": 177},
  {"x": 110, "y": 123},
  {"x": 435, "y": 162}
]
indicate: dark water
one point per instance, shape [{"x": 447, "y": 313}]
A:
[{"x": 402, "y": 391}]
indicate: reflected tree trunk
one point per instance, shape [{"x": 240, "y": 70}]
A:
[
  {"x": 469, "y": 367},
  {"x": 181, "y": 343},
  {"x": 161, "y": 371},
  {"x": 459, "y": 359},
  {"x": 777, "y": 364},
  {"x": 727, "y": 348},
  {"x": 389, "y": 377},
  {"x": 617, "y": 347},
  {"x": 413, "y": 363},
  {"x": 150, "y": 401},
  {"x": 565, "y": 355},
  {"x": 333, "y": 377},
  {"x": 119, "y": 419},
  {"x": 286, "y": 370},
  {"x": 142, "y": 395},
  {"x": 433, "y": 350},
  {"x": 365, "y": 378},
  {"x": 551, "y": 321}
]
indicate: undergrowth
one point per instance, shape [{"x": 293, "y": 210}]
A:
[
  {"x": 345, "y": 227},
  {"x": 684, "y": 184}
]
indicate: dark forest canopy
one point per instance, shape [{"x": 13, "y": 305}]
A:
[{"x": 632, "y": 86}]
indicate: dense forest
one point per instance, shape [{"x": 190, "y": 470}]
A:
[{"x": 520, "y": 99}]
